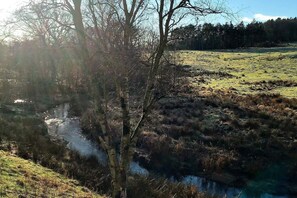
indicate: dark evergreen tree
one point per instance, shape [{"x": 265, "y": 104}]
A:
[{"x": 228, "y": 36}]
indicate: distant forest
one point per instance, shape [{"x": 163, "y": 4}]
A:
[{"x": 228, "y": 36}]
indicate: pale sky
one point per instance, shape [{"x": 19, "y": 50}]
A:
[
  {"x": 248, "y": 10},
  {"x": 7, "y": 6}
]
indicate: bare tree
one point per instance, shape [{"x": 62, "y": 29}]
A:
[
  {"x": 33, "y": 20},
  {"x": 112, "y": 51},
  {"x": 169, "y": 14}
]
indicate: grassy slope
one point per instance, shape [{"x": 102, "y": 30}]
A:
[
  {"x": 245, "y": 136},
  {"x": 247, "y": 67},
  {"x": 19, "y": 177}
]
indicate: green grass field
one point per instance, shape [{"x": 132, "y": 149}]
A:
[
  {"x": 256, "y": 70},
  {"x": 22, "y": 178}
]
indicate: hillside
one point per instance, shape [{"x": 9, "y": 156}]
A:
[{"x": 22, "y": 178}]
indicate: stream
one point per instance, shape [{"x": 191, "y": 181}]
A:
[{"x": 62, "y": 127}]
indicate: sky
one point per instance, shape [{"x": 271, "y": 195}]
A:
[
  {"x": 246, "y": 10},
  {"x": 6, "y": 9},
  {"x": 263, "y": 10},
  {"x": 7, "y": 6}
]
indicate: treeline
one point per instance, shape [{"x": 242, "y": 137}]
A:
[{"x": 229, "y": 36}]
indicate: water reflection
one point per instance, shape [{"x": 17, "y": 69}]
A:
[{"x": 60, "y": 126}]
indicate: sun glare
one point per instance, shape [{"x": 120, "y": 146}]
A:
[{"x": 7, "y": 7}]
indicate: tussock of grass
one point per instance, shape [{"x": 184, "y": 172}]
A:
[{"x": 22, "y": 178}]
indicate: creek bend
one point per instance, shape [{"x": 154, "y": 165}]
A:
[{"x": 63, "y": 127}]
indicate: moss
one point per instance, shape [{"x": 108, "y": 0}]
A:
[{"x": 19, "y": 177}]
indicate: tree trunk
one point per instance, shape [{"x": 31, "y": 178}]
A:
[
  {"x": 119, "y": 172},
  {"x": 119, "y": 190}
]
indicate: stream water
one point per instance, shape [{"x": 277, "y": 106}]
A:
[{"x": 61, "y": 126}]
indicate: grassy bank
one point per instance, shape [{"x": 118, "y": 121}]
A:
[{"x": 22, "y": 178}]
